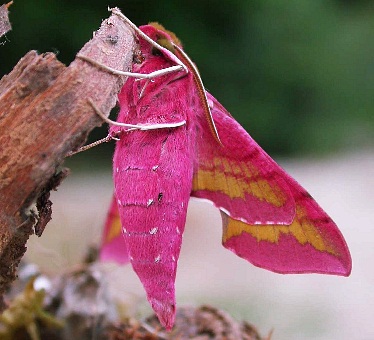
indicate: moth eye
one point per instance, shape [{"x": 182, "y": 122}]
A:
[
  {"x": 160, "y": 195},
  {"x": 156, "y": 52},
  {"x": 164, "y": 42}
]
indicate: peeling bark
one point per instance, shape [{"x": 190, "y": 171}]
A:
[{"x": 44, "y": 115}]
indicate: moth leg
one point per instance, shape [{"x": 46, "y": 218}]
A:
[
  {"x": 151, "y": 75},
  {"x": 132, "y": 127},
  {"x": 92, "y": 145}
]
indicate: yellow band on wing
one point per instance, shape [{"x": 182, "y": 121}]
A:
[
  {"x": 236, "y": 179},
  {"x": 301, "y": 228}
]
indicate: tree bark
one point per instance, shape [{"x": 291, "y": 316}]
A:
[
  {"x": 44, "y": 114},
  {"x": 4, "y": 19}
]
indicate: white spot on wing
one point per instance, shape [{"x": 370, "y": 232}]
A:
[
  {"x": 173, "y": 258},
  {"x": 124, "y": 230},
  {"x": 178, "y": 231},
  {"x": 117, "y": 169},
  {"x": 157, "y": 259},
  {"x": 153, "y": 231},
  {"x": 150, "y": 201},
  {"x": 119, "y": 202},
  {"x": 154, "y": 168}
]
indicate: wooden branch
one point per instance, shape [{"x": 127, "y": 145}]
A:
[
  {"x": 4, "y": 19},
  {"x": 44, "y": 114}
]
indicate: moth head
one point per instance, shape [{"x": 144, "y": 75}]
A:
[{"x": 162, "y": 36}]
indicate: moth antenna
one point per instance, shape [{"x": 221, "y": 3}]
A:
[{"x": 201, "y": 91}]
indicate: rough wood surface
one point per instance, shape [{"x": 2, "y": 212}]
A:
[
  {"x": 4, "y": 19},
  {"x": 44, "y": 114}
]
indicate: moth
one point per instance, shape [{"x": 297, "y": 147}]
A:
[{"x": 176, "y": 141}]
